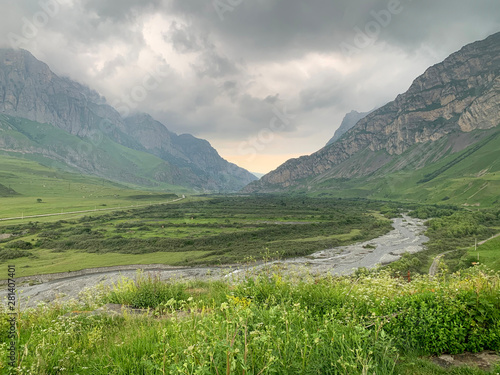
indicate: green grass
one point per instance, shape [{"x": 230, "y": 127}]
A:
[
  {"x": 343, "y": 237},
  {"x": 61, "y": 191},
  {"x": 268, "y": 323},
  {"x": 487, "y": 253}
]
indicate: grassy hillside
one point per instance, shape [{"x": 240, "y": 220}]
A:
[
  {"x": 95, "y": 154},
  {"x": 59, "y": 191},
  {"x": 470, "y": 177},
  {"x": 487, "y": 253},
  {"x": 6, "y": 191}
]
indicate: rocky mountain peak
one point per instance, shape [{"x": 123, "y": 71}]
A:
[
  {"x": 460, "y": 94},
  {"x": 30, "y": 90}
]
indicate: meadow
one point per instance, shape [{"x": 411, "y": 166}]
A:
[
  {"x": 224, "y": 230},
  {"x": 28, "y": 188}
]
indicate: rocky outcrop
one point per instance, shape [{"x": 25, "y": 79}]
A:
[
  {"x": 30, "y": 90},
  {"x": 460, "y": 94}
]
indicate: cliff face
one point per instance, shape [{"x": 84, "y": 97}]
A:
[
  {"x": 30, "y": 90},
  {"x": 460, "y": 94}
]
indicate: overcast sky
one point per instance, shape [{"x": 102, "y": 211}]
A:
[{"x": 261, "y": 80}]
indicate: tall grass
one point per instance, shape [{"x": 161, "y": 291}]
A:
[{"x": 267, "y": 323}]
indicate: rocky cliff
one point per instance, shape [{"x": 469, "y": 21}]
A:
[
  {"x": 459, "y": 95},
  {"x": 30, "y": 90}
]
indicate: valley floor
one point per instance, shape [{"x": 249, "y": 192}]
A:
[{"x": 405, "y": 237}]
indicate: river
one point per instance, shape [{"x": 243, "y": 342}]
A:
[{"x": 407, "y": 236}]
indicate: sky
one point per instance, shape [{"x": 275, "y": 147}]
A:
[{"x": 262, "y": 80}]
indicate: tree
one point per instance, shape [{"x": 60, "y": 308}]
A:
[{"x": 39, "y": 200}]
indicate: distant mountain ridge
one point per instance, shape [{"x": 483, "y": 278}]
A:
[
  {"x": 30, "y": 90},
  {"x": 449, "y": 102},
  {"x": 347, "y": 124}
]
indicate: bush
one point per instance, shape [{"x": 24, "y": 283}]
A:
[
  {"x": 147, "y": 291},
  {"x": 7, "y": 254},
  {"x": 22, "y": 245}
]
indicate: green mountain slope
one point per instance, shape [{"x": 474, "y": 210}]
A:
[
  {"x": 113, "y": 147},
  {"x": 6, "y": 191},
  {"x": 421, "y": 146},
  {"x": 97, "y": 155},
  {"x": 470, "y": 177}
]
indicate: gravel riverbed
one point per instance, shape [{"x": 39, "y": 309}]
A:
[{"x": 407, "y": 236}]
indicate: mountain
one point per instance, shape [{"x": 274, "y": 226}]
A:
[
  {"x": 348, "y": 122},
  {"x": 452, "y": 108},
  {"x": 258, "y": 175},
  {"x": 89, "y": 136},
  {"x": 187, "y": 153}
]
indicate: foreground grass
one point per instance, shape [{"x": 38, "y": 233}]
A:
[{"x": 265, "y": 324}]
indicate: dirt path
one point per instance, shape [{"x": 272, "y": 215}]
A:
[
  {"x": 435, "y": 264},
  {"x": 483, "y": 242}
]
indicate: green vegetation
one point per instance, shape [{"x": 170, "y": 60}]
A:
[
  {"x": 487, "y": 253},
  {"x": 62, "y": 191},
  {"x": 104, "y": 156},
  {"x": 6, "y": 192},
  {"x": 458, "y": 159},
  {"x": 469, "y": 178},
  {"x": 453, "y": 232},
  {"x": 204, "y": 231},
  {"x": 267, "y": 323}
]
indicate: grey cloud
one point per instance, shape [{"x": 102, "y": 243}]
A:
[
  {"x": 283, "y": 29},
  {"x": 182, "y": 40},
  {"x": 272, "y": 99},
  {"x": 222, "y": 94},
  {"x": 119, "y": 10},
  {"x": 110, "y": 67},
  {"x": 214, "y": 65}
]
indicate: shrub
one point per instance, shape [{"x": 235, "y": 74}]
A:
[{"x": 7, "y": 254}]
